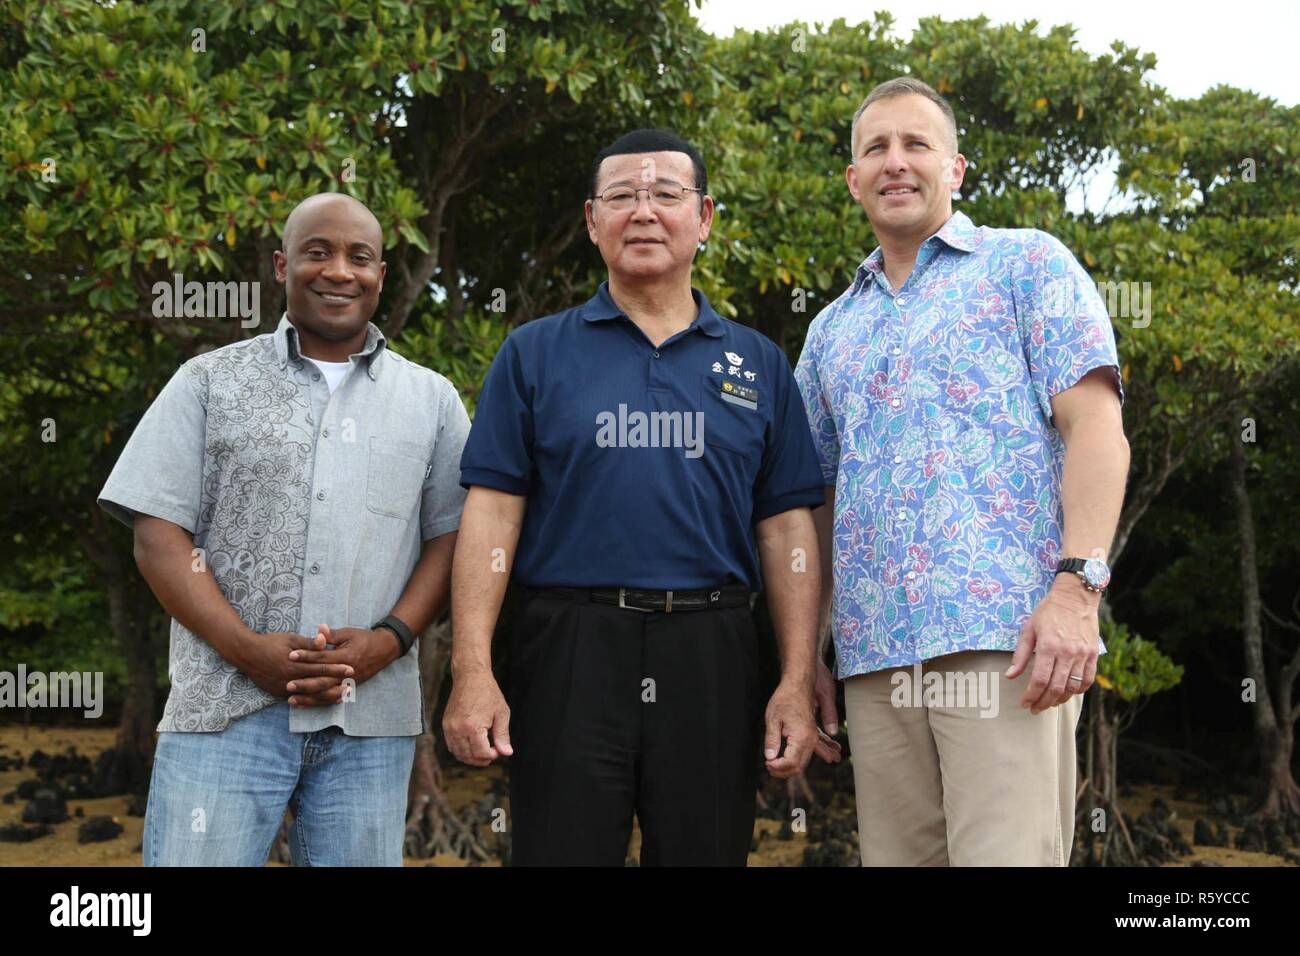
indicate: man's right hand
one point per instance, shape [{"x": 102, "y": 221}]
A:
[
  {"x": 477, "y": 718},
  {"x": 264, "y": 658}
]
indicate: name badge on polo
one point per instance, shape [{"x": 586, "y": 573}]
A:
[{"x": 742, "y": 395}]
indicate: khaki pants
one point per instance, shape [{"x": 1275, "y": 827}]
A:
[{"x": 951, "y": 770}]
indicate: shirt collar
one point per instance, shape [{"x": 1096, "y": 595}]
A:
[
  {"x": 958, "y": 232},
  {"x": 601, "y": 306},
  {"x": 286, "y": 346}
]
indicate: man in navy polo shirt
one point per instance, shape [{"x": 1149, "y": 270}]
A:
[{"x": 634, "y": 464}]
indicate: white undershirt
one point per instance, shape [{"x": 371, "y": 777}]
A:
[{"x": 333, "y": 371}]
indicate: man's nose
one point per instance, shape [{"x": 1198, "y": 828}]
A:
[
  {"x": 338, "y": 269},
  {"x": 643, "y": 212},
  {"x": 895, "y": 157}
]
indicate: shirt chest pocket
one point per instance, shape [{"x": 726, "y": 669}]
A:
[
  {"x": 394, "y": 477},
  {"x": 734, "y": 420}
]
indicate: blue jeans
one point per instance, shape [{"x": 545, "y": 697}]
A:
[{"x": 218, "y": 799}]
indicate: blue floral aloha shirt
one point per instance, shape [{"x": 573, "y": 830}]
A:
[{"x": 930, "y": 408}]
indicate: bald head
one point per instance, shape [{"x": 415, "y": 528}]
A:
[
  {"x": 306, "y": 211},
  {"x": 332, "y": 267}
]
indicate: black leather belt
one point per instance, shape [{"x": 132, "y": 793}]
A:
[{"x": 641, "y": 599}]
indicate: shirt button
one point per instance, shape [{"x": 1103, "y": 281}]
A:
[
  {"x": 656, "y": 355},
  {"x": 897, "y": 350},
  {"x": 895, "y": 402},
  {"x": 320, "y": 496},
  {"x": 315, "y": 569},
  {"x": 315, "y": 376},
  {"x": 911, "y": 575},
  {"x": 902, "y": 300},
  {"x": 325, "y": 433},
  {"x": 898, "y": 459},
  {"x": 902, "y": 515}
]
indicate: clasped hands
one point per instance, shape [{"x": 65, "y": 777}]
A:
[{"x": 308, "y": 671}]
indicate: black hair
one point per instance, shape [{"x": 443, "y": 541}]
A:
[{"x": 651, "y": 141}]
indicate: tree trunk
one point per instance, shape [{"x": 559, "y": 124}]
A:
[
  {"x": 432, "y": 826},
  {"x": 125, "y": 768},
  {"x": 1274, "y": 739}
]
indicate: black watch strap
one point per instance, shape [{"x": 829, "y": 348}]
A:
[
  {"x": 1071, "y": 565},
  {"x": 404, "y": 636}
]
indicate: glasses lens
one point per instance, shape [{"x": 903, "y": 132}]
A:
[{"x": 668, "y": 194}]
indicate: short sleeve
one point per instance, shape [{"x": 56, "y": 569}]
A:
[
  {"x": 817, "y": 408},
  {"x": 1063, "y": 321},
  {"x": 499, "y": 452},
  {"x": 442, "y": 498},
  {"x": 160, "y": 471},
  {"x": 788, "y": 476}
]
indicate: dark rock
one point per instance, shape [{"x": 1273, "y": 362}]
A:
[
  {"x": 9, "y": 797},
  {"x": 1262, "y": 835},
  {"x": 137, "y": 805},
  {"x": 1204, "y": 863},
  {"x": 48, "y": 806},
  {"x": 98, "y": 830},
  {"x": 27, "y": 788},
  {"x": 79, "y": 812},
  {"x": 1207, "y": 834},
  {"x": 17, "y": 833}
]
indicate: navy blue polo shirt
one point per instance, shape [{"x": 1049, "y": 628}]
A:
[{"x": 643, "y": 467}]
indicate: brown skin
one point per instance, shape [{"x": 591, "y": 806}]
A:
[
  {"x": 164, "y": 554},
  {"x": 368, "y": 652},
  {"x": 332, "y": 244}
]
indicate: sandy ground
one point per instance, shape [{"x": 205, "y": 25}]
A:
[{"x": 464, "y": 786}]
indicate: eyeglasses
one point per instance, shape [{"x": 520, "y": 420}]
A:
[{"x": 664, "y": 193}]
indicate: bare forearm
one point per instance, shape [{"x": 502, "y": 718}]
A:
[
  {"x": 485, "y": 551},
  {"x": 788, "y": 550},
  {"x": 429, "y": 587},
  {"x": 181, "y": 580},
  {"x": 1092, "y": 487}
]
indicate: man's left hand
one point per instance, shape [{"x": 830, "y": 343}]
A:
[
  {"x": 1062, "y": 635},
  {"x": 789, "y": 715},
  {"x": 368, "y": 652}
]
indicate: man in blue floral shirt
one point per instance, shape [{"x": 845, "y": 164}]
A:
[{"x": 964, "y": 398}]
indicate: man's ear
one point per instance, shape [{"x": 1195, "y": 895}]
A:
[
  {"x": 851, "y": 177},
  {"x": 587, "y": 213},
  {"x": 957, "y": 172},
  {"x": 706, "y": 217},
  {"x": 281, "y": 263}
]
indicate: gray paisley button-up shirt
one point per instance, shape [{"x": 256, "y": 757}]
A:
[{"x": 309, "y": 508}]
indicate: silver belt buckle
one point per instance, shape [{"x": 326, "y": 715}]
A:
[{"x": 622, "y": 599}]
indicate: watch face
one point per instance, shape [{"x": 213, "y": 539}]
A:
[{"x": 1096, "y": 573}]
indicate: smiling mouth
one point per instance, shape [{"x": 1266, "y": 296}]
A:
[
  {"x": 645, "y": 242},
  {"x": 335, "y": 297},
  {"x": 898, "y": 190}
]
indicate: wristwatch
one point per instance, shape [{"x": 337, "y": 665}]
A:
[
  {"x": 1093, "y": 572},
  {"x": 403, "y": 633}
]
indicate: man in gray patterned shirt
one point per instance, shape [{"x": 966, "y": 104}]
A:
[{"x": 295, "y": 499}]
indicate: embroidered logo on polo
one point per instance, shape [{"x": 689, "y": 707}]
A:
[
  {"x": 733, "y": 368},
  {"x": 737, "y": 394}
]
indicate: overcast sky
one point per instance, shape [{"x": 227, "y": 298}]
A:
[{"x": 1249, "y": 44}]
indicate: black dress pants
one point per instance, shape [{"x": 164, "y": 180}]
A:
[{"x": 616, "y": 712}]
